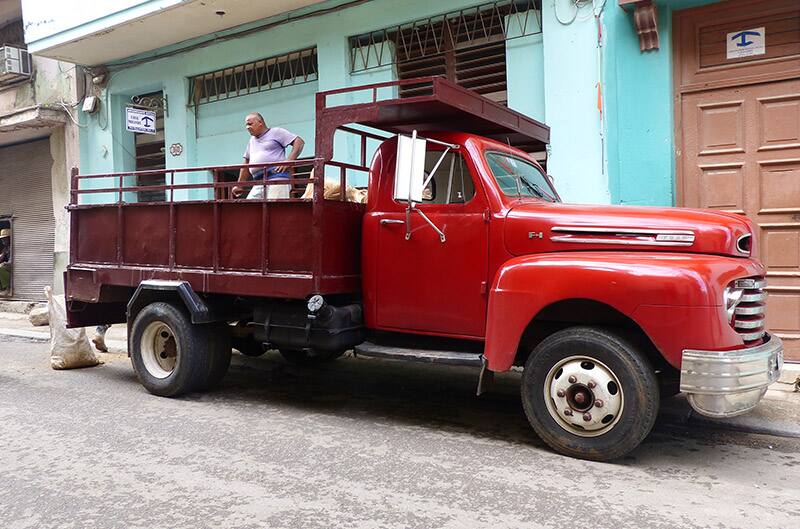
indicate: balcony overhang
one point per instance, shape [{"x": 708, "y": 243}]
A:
[
  {"x": 150, "y": 25},
  {"x": 24, "y": 124}
]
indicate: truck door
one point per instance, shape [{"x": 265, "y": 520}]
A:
[{"x": 424, "y": 284}]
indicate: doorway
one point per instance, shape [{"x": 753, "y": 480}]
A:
[
  {"x": 151, "y": 150},
  {"x": 6, "y": 257},
  {"x": 737, "y": 86}
]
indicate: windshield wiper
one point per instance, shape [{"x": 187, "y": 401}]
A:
[
  {"x": 532, "y": 187},
  {"x": 537, "y": 189}
]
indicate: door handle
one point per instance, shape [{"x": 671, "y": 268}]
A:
[{"x": 384, "y": 222}]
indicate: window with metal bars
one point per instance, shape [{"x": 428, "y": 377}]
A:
[
  {"x": 289, "y": 69},
  {"x": 465, "y": 46}
]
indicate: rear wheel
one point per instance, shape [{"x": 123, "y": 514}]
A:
[
  {"x": 589, "y": 393},
  {"x": 171, "y": 356},
  {"x": 220, "y": 354}
]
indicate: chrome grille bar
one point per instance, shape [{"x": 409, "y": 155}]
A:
[
  {"x": 748, "y": 319},
  {"x": 751, "y": 297},
  {"x": 750, "y": 310},
  {"x": 749, "y": 324},
  {"x": 751, "y": 336}
]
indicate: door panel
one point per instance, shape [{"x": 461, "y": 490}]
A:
[
  {"x": 424, "y": 284},
  {"x": 738, "y": 135},
  {"x": 430, "y": 286},
  {"x": 741, "y": 153}
]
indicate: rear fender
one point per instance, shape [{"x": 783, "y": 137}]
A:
[
  {"x": 181, "y": 292},
  {"x": 674, "y": 298}
]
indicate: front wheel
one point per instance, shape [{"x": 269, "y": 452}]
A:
[{"x": 589, "y": 393}]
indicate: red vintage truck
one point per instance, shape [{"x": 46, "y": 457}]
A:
[{"x": 462, "y": 254}]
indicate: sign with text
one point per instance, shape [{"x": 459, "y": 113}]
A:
[
  {"x": 140, "y": 120},
  {"x": 747, "y": 43}
]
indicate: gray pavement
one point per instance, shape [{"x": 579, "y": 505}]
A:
[
  {"x": 778, "y": 414},
  {"x": 357, "y": 443}
]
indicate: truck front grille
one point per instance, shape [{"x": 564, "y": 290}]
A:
[{"x": 749, "y": 314}]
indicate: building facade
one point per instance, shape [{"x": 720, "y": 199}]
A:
[
  {"x": 38, "y": 142},
  {"x": 651, "y": 102}
]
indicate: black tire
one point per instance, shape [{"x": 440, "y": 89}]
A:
[
  {"x": 220, "y": 355},
  {"x": 619, "y": 367},
  {"x": 189, "y": 368},
  {"x": 303, "y": 358}
]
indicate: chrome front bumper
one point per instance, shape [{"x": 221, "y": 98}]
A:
[{"x": 729, "y": 383}]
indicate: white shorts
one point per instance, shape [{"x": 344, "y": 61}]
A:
[{"x": 273, "y": 191}]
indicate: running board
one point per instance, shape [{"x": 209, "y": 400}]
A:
[{"x": 419, "y": 355}]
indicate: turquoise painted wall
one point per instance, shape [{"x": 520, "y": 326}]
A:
[
  {"x": 639, "y": 109},
  {"x": 220, "y": 125},
  {"x": 552, "y": 76},
  {"x": 626, "y": 157},
  {"x": 571, "y": 74},
  {"x": 525, "y": 65},
  {"x": 217, "y": 135}
]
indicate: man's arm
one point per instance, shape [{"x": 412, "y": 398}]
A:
[
  {"x": 244, "y": 173},
  {"x": 297, "y": 147}
]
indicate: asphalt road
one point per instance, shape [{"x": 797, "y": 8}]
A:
[{"x": 358, "y": 443}]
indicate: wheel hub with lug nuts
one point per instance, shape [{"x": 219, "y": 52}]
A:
[
  {"x": 158, "y": 349},
  {"x": 583, "y": 396}
]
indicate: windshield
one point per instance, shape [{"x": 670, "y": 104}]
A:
[{"x": 518, "y": 178}]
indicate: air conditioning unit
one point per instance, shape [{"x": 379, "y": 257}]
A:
[{"x": 15, "y": 64}]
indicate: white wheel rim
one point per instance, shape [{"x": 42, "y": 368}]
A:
[
  {"x": 583, "y": 396},
  {"x": 159, "y": 349}
]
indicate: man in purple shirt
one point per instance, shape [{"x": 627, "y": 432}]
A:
[{"x": 267, "y": 145}]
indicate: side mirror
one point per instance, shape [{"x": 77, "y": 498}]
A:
[{"x": 409, "y": 175}]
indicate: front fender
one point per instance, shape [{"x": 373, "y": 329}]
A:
[{"x": 675, "y": 298}]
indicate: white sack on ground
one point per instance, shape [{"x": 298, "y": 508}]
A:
[
  {"x": 39, "y": 317},
  {"x": 69, "y": 348}
]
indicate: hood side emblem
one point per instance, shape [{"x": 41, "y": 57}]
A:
[
  {"x": 628, "y": 236},
  {"x": 675, "y": 237}
]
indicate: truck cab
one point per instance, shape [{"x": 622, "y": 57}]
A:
[{"x": 462, "y": 254}]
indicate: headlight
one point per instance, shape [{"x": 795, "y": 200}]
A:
[{"x": 731, "y": 297}]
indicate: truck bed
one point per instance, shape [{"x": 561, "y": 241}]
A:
[
  {"x": 267, "y": 248},
  {"x": 289, "y": 248}
]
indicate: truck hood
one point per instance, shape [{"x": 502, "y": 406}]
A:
[{"x": 535, "y": 227}]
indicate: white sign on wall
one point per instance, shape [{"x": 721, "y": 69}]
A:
[
  {"x": 747, "y": 43},
  {"x": 139, "y": 120}
]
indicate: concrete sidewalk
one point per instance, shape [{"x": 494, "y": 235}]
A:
[
  {"x": 777, "y": 414},
  {"x": 17, "y": 324}
]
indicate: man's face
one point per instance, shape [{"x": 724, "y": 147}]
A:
[{"x": 254, "y": 125}]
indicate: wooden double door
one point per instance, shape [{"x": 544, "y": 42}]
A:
[{"x": 738, "y": 133}]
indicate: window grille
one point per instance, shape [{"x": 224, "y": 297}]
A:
[
  {"x": 466, "y": 46},
  {"x": 290, "y": 69}
]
